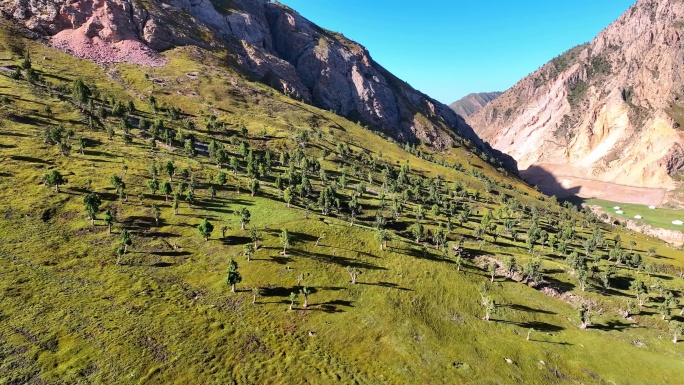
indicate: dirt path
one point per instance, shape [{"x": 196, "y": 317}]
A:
[{"x": 553, "y": 182}]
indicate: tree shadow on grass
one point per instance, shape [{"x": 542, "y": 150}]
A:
[
  {"x": 385, "y": 284},
  {"x": 174, "y": 253},
  {"x": 281, "y": 259},
  {"x": 536, "y": 325},
  {"x": 338, "y": 260},
  {"x": 29, "y": 159},
  {"x": 235, "y": 240},
  {"x": 612, "y": 326},
  {"x": 527, "y": 309}
]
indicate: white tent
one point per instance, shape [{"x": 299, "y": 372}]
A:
[
  {"x": 677, "y": 222},
  {"x": 651, "y": 207},
  {"x": 616, "y": 208},
  {"x": 638, "y": 217},
  {"x": 619, "y": 212}
]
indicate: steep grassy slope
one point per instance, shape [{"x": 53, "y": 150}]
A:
[{"x": 70, "y": 314}]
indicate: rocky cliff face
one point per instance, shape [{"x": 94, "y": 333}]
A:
[
  {"x": 472, "y": 103},
  {"x": 271, "y": 41},
  {"x": 610, "y": 110}
]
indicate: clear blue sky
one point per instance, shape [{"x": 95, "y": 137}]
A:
[{"x": 448, "y": 49}]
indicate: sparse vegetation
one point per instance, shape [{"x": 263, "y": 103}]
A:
[{"x": 151, "y": 301}]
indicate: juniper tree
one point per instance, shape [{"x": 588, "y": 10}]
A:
[
  {"x": 254, "y": 234},
  {"x": 491, "y": 267},
  {"x": 108, "y": 220},
  {"x": 293, "y": 298},
  {"x": 509, "y": 265},
  {"x": 248, "y": 250},
  {"x": 584, "y": 316},
  {"x": 175, "y": 204},
  {"x": 255, "y": 292},
  {"x": 233, "y": 277},
  {"x": 245, "y": 217},
  {"x": 677, "y": 329},
  {"x": 117, "y": 183},
  {"x": 287, "y": 196},
  {"x": 156, "y": 213},
  {"x": 125, "y": 240},
  {"x": 54, "y": 178},
  {"x": 153, "y": 185},
  {"x": 285, "y": 239},
  {"x": 254, "y": 186},
  {"x": 353, "y": 273},
  {"x": 92, "y": 204},
  {"x": 166, "y": 189},
  {"x": 639, "y": 288},
  {"x": 205, "y": 228},
  {"x": 417, "y": 231},
  {"x": 382, "y": 236},
  {"x": 305, "y": 292}
]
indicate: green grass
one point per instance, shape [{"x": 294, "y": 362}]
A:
[
  {"x": 658, "y": 217},
  {"x": 69, "y": 314}
]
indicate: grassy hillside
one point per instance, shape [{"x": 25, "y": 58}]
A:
[{"x": 69, "y": 313}]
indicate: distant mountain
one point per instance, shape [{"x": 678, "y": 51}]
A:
[
  {"x": 470, "y": 104},
  {"x": 609, "y": 111}
]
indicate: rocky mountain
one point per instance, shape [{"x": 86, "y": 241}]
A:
[
  {"x": 472, "y": 103},
  {"x": 265, "y": 39},
  {"x": 608, "y": 111}
]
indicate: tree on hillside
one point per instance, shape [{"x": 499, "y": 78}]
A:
[
  {"x": 584, "y": 316},
  {"x": 108, "y": 220},
  {"x": 417, "y": 231},
  {"x": 353, "y": 273},
  {"x": 166, "y": 190},
  {"x": 80, "y": 92},
  {"x": 205, "y": 228},
  {"x": 255, "y": 292},
  {"x": 233, "y": 277},
  {"x": 248, "y": 250},
  {"x": 54, "y": 178},
  {"x": 491, "y": 268},
  {"x": 153, "y": 185},
  {"x": 639, "y": 288},
  {"x": 285, "y": 239},
  {"x": 156, "y": 213},
  {"x": 175, "y": 204},
  {"x": 305, "y": 292},
  {"x": 254, "y": 186},
  {"x": 382, "y": 236},
  {"x": 245, "y": 217},
  {"x": 509, "y": 264},
  {"x": 92, "y": 204},
  {"x": 254, "y": 234},
  {"x": 125, "y": 240},
  {"x": 287, "y": 196},
  {"x": 293, "y": 298},
  {"x": 677, "y": 329},
  {"x": 117, "y": 183}
]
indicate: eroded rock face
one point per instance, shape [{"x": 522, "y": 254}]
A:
[
  {"x": 604, "y": 110},
  {"x": 269, "y": 40}
]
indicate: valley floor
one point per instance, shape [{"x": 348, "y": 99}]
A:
[{"x": 551, "y": 181}]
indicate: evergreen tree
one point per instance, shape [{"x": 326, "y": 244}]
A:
[{"x": 233, "y": 277}]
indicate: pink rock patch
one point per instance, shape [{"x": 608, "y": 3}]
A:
[{"x": 75, "y": 42}]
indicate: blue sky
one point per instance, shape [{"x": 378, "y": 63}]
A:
[{"x": 448, "y": 49}]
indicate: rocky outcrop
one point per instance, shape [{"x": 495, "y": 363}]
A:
[
  {"x": 609, "y": 110},
  {"x": 472, "y": 103},
  {"x": 269, "y": 40}
]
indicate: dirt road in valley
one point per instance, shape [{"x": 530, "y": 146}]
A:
[{"x": 563, "y": 182}]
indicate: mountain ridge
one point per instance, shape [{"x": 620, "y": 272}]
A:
[
  {"x": 474, "y": 102},
  {"x": 606, "y": 110},
  {"x": 270, "y": 41}
]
